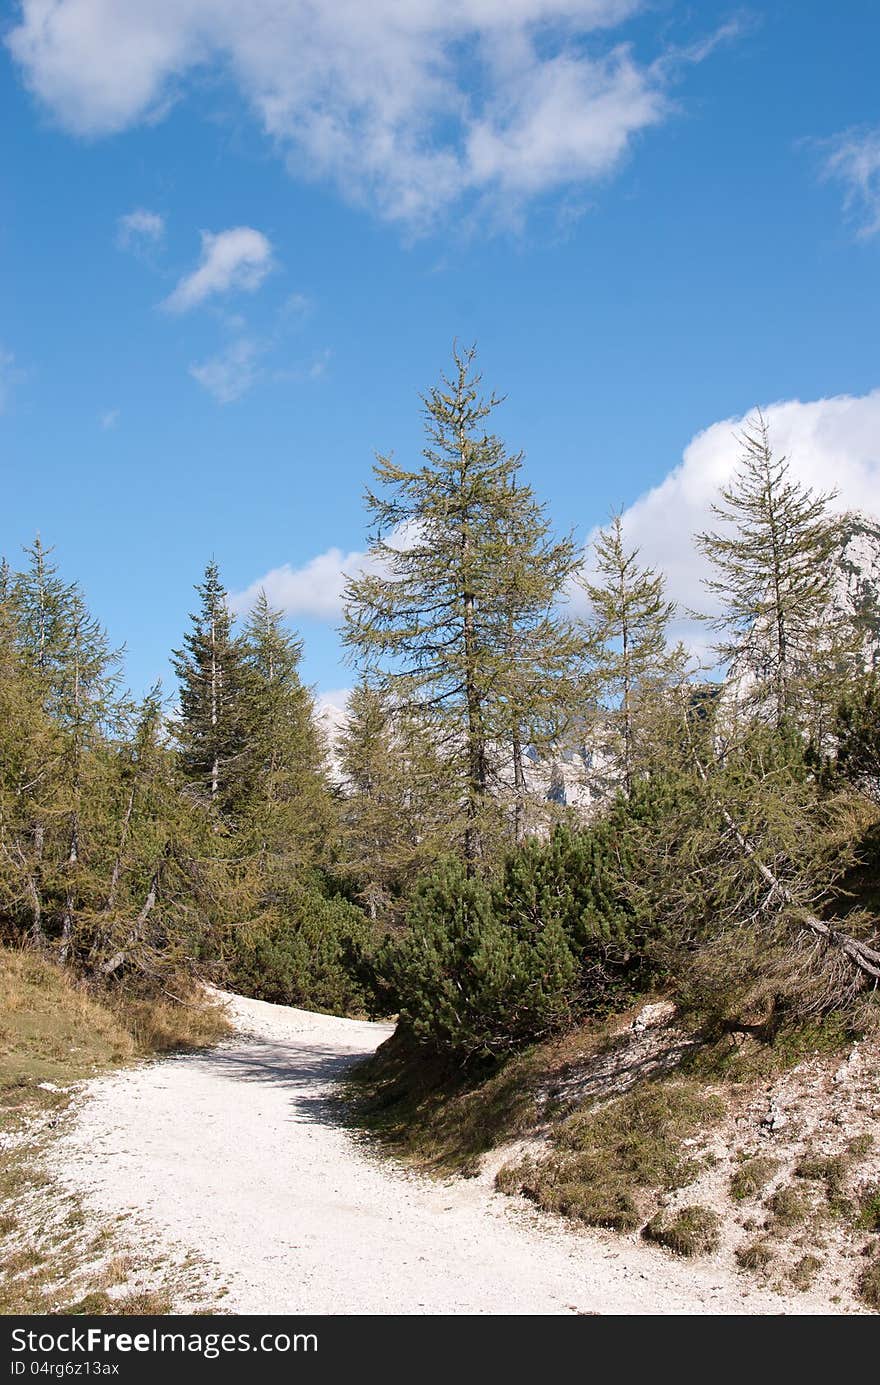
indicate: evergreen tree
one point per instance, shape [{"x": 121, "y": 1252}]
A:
[
  {"x": 393, "y": 817},
  {"x": 70, "y": 674},
  {"x": 287, "y": 793},
  {"x": 536, "y": 687},
  {"x": 210, "y": 671},
  {"x": 463, "y": 572},
  {"x": 773, "y": 577},
  {"x": 628, "y": 632}
]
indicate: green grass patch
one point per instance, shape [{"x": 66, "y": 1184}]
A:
[
  {"x": 689, "y": 1231},
  {"x": 752, "y": 1177},
  {"x": 789, "y": 1208},
  {"x": 868, "y": 1213},
  {"x": 602, "y": 1159}
]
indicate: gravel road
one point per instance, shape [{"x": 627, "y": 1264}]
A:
[{"x": 238, "y": 1155}]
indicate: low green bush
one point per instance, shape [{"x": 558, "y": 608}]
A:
[{"x": 312, "y": 950}]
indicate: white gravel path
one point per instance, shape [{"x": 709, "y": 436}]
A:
[{"x": 237, "y": 1154}]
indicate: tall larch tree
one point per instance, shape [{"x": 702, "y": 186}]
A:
[
  {"x": 628, "y": 629},
  {"x": 431, "y": 623},
  {"x": 772, "y": 560}
]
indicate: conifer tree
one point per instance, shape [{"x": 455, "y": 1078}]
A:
[
  {"x": 72, "y": 675},
  {"x": 536, "y": 688},
  {"x": 628, "y": 630},
  {"x": 772, "y": 562},
  {"x": 435, "y": 623},
  {"x": 393, "y": 817},
  {"x": 287, "y": 792},
  {"x": 210, "y": 671}
]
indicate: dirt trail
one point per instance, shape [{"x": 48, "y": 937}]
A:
[{"x": 238, "y": 1154}]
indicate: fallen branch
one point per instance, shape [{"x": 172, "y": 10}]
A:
[{"x": 866, "y": 958}]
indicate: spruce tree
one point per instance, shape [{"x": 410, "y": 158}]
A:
[
  {"x": 287, "y": 792},
  {"x": 455, "y": 623},
  {"x": 772, "y": 561},
  {"x": 628, "y": 636},
  {"x": 210, "y": 671}
]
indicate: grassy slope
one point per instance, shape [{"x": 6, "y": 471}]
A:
[
  {"x": 659, "y": 1134},
  {"x": 54, "y": 1033}
]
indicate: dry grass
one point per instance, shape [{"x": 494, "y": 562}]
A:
[
  {"x": 54, "y": 1032},
  {"x": 755, "y": 1255},
  {"x": 789, "y": 1208},
  {"x": 605, "y": 1160},
  {"x": 803, "y": 1272},
  {"x": 688, "y": 1231},
  {"x": 752, "y": 1177}
]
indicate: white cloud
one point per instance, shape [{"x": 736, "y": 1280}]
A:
[
  {"x": 411, "y": 104},
  {"x": 315, "y": 589},
  {"x": 854, "y": 160},
  {"x": 139, "y": 228},
  {"x": 239, "y": 258},
  {"x": 831, "y": 444},
  {"x": 334, "y": 700},
  {"x": 229, "y": 375}
]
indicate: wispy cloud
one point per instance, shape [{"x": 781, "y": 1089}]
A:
[
  {"x": 229, "y": 375},
  {"x": 109, "y": 419},
  {"x": 9, "y": 377},
  {"x": 320, "y": 364},
  {"x": 412, "y": 107},
  {"x": 139, "y": 229},
  {"x": 237, "y": 259},
  {"x": 853, "y": 159}
]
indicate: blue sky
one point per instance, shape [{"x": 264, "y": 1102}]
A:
[{"x": 236, "y": 242}]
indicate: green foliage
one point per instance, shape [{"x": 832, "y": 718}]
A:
[
  {"x": 210, "y": 672},
  {"x": 473, "y": 982},
  {"x": 457, "y": 622},
  {"x": 858, "y": 736},
  {"x": 312, "y": 950},
  {"x": 628, "y": 626},
  {"x": 394, "y": 811},
  {"x": 772, "y": 561},
  {"x": 488, "y": 966}
]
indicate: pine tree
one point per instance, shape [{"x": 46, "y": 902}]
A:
[
  {"x": 773, "y": 576},
  {"x": 455, "y": 622},
  {"x": 628, "y": 635},
  {"x": 210, "y": 671}
]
